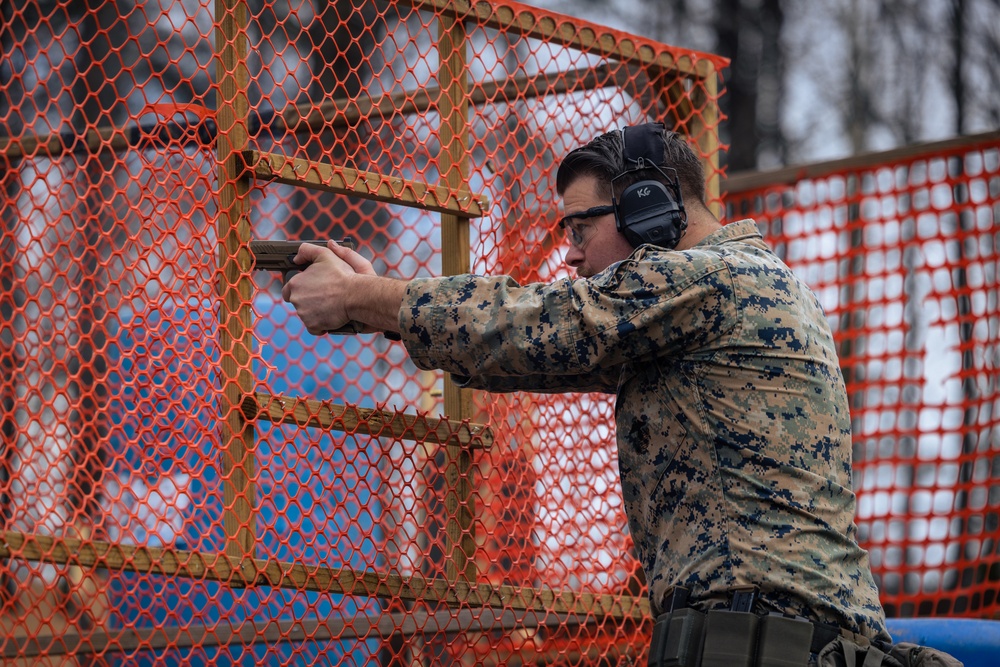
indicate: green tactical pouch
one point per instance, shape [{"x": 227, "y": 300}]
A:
[
  {"x": 783, "y": 641},
  {"x": 730, "y": 639},
  {"x": 677, "y": 639}
]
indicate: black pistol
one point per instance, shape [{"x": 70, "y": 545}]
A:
[{"x": 278, "y": 255}]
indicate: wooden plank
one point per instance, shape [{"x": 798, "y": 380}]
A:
[
  {"x": 354, "y": 419},
  {"x": 309, "y": 116},
  {"x": 417, "y": 623},
  {"x": 453, "y": 163},
  {"x": 704, "y": 128},
  {"x": 753, "y": 180},
  {"x": 629, "y": 648},
  {"x": 235, "y": 284},
  {"x": 231, "y": 571},
  {"x": 93, "y": 140},
  {"x": 365, "y": 184},
  {"x": 564, "y": 30}
]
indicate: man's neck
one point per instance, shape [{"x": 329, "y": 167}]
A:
[{"x": 701, "y": 224}]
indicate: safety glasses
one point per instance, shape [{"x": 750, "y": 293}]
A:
[{"x": 575, "y": 230}]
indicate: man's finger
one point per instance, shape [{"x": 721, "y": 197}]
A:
[
  {"x": 308, "y": 253},
  {"x": 353, "y": 259}
]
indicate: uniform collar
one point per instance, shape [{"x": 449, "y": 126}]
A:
[
  {"x": 741, "y": 230},
  {"x": 745, "y": 230}
]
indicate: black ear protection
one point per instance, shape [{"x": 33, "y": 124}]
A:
[{"x": 649, "y": 211}]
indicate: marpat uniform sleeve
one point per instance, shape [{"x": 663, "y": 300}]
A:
[{"x": 646, "y": 306}]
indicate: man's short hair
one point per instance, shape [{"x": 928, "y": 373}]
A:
[{"x": 603, "y": 159}]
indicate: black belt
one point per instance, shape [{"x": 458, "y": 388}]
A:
[
  {"x": 743, "y": 600},
  {"x": 735, "y": 637}
]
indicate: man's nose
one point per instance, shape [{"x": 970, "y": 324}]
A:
[{"x": 574, "y": 256}]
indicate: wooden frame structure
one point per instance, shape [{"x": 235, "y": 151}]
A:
[{"x": 242, "y": 407}]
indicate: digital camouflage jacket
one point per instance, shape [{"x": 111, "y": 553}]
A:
[{"x": 734, "y": 437}]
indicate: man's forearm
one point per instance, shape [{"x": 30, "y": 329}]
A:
[{"x": 376, "y": 301}]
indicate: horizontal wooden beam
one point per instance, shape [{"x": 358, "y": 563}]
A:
[
  {"x": 752, "y": 180},
  {"x": 309, "y": 116},
  {"x": 92, "y": 140},
  {"x": 354, "y": 419},
  {"x": 629, "y": 648},
  {"x": 566, "y": 31},
  {"x": 416, "y": 623},
  {"x": 365, "y": 184},
  {"x": 343, "y": 580}
]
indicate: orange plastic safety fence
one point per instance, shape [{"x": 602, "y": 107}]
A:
[
  {"x": 187, "y": 476},
  {"x": 902, "y": 250}
]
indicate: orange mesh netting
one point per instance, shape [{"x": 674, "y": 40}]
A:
[
  {"x": 902, "y": 250},
  {"x": 187, "y": 476}
]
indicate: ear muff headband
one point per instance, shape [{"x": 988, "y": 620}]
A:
[{"x": 649, "y": 211}]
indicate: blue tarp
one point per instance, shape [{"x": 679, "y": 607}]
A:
[
  {"x": 164, "y": 363},
  {"x": 975, "y": 642}
]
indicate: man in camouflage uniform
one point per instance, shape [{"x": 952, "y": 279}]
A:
[{"x": 734, "y": 436}]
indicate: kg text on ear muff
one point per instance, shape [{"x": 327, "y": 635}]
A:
[{"x": 649, "y": 211}]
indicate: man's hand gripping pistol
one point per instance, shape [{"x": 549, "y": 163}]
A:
[{"x": 279, "y": 255}]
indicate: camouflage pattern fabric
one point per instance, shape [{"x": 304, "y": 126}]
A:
[{"x": 734, "y": 437}]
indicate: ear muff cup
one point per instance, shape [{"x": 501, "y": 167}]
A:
[{"x": 649, "y": 213}]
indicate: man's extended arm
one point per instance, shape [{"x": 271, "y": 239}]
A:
[
  {"x": 580, "y": 332},
  {"x": 634, "y": 311},
  {"x": 340, "y": 284}
]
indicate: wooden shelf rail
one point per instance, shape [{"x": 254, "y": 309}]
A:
[
  {"x": 364, "y": 184},
  {"x": 354, "y": 419},
  {"x": 417, "y": 623},
  {"x": 243, "y": 572}
]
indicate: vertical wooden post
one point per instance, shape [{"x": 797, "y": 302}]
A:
[
  {"x": 236, "y": 289},
  {"x": 454, "y": 133},
  {"x": 704, "y": 129}
]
